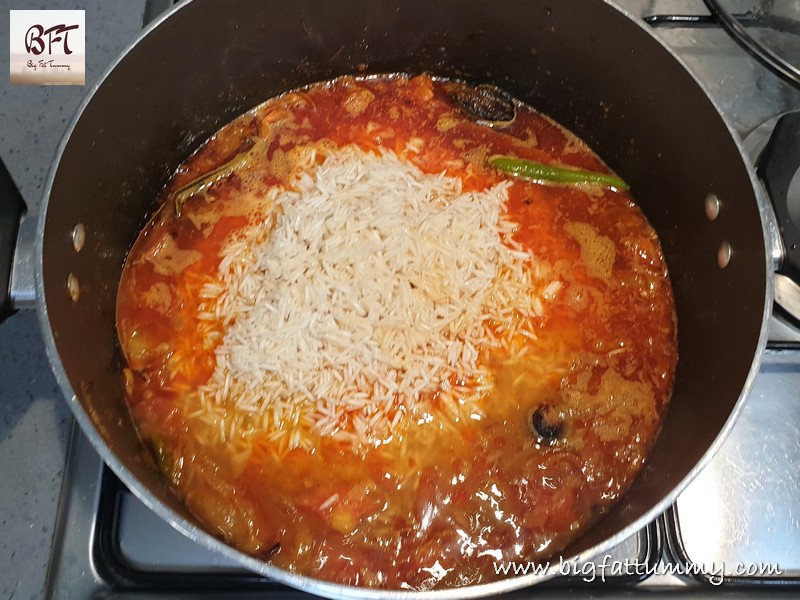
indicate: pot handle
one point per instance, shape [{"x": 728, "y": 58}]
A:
[
  {"x": 12, "y": 208},
  {"x": 777, "y": 166}
]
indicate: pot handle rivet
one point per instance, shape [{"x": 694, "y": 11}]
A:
[
  {"x": 712, "y": 206},
  {"x": 724, "y": 255},
  {"x": 78, "y": 237},
  {"x": 73, "y": 288}
]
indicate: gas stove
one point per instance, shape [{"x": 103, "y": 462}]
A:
[{"x": 734, "y": 531}]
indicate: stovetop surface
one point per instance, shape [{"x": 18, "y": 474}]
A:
[{"x": 734, "y": 531}]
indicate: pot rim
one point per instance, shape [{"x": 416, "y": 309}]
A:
[{"x": 333, "y": 590}]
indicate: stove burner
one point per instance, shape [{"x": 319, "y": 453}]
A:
[{"x": 759, "y": 50}]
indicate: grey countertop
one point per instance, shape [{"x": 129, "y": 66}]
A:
[{"x": 34, "y": 419}]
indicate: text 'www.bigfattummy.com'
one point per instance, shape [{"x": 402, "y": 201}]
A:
[{"x": 608, "y": 566}]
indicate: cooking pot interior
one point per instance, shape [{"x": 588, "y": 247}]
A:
[{"x": 581, "y": 61}]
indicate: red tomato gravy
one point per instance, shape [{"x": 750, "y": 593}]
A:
[{"x": 565, "y": 431}]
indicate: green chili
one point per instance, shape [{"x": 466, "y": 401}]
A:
[
  {"x": 163, "y": 459},
  {"x": 537, "y": 171},
  {"x": 204, "y": 182}
]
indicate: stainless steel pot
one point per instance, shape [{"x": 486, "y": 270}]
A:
[{"x": 584, "y": 62}]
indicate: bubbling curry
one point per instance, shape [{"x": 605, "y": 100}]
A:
[{"x": 376, "y": 340}]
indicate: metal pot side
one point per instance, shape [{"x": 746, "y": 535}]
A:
[{"x": 584, "y": 62}]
